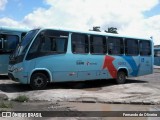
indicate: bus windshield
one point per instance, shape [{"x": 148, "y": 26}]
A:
[{"x": 21, "y": 49}]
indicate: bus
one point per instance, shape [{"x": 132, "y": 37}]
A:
[
  {"x": 59, "y": 55},
  {"x": 9, "y": 38},
  {"x": 157, "y": 56}
]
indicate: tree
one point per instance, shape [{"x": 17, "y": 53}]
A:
[{"x": 112, "y": 30}]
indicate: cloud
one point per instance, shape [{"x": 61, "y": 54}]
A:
[
  {"x": 8, "y": 22},
  {"x": 153, "y": 27},
  {"x": 86, "y": 13},
  {"x": 12, "y": 23},
  {"x": 3, "y": 4},
  {"x": 127, "y": 15}
]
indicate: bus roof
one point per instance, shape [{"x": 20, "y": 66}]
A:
[
  {"x": 97, "y": 33},
  {"x": 14, "y": 29}
]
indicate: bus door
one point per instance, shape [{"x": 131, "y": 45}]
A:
[{"x": 146, "y": 66}]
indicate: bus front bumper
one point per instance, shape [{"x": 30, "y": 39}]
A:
[
  {"x": 18, "y": 77},
  {"x": 12, "y": 77}
]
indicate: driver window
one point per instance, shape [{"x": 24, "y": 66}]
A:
[{"x": 53, "y": 45}]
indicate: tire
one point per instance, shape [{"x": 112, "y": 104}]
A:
[
  {"x": 38, "y": 81},
  {"x": 121, "y": 77}
]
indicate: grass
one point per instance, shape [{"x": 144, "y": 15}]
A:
[
  {"x": 6, "y": 104},
  {"x": 21, "y": 98}
]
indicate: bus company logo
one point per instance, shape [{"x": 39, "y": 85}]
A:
[
  {"x": 21, "y": 114},
  {"x": 91, "y": 63},
  {"x": 6, "y": 114},
  {"x": 79, "y": 62},
  {"x": 88, "y": 63}
]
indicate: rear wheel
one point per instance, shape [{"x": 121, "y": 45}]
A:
[
  {"x": 38, "y": 81},
  {"x": 121, "y": 77}
]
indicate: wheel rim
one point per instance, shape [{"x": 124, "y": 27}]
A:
[
  {"x": 121, "y": 77},
  {"x": 38, "y": 82}
]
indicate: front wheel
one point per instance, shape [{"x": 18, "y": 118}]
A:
[
  {"x": 121, "y": 77},
  {"x": 38, "y": 81}
]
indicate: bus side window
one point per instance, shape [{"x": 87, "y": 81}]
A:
[
  {"x": 115, "y": 46},
  {"x": 79, "y": 43},
  {"x": 61, "y": 45},
  {"x": 47, "y": 44},
  {"x": 11, "y": 42},
  {"x": 131, "y": 47},
  {"x": 0, "y": 44},
  {"x": 8, "y": 42},
  {"x": 98, "y": 45},
  {"x": 54, "y": 45},
  {"x": 145, "y": 48},
  {"x": 156, "y": 53}
]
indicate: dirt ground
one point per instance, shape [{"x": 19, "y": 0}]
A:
[{"x": 42, "y": 106}]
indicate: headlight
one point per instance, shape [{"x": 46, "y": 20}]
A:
[{"x": 18, "y": 69}]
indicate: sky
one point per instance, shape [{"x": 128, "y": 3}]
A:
[{"x": 139, "y": 18}]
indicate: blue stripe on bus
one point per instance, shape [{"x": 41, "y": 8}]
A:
[{"x": 132, "y": 63}]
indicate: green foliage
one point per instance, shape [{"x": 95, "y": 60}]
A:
[
  {"x": 21, "y": 98},
  {"x": 5, "y": 104}
]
